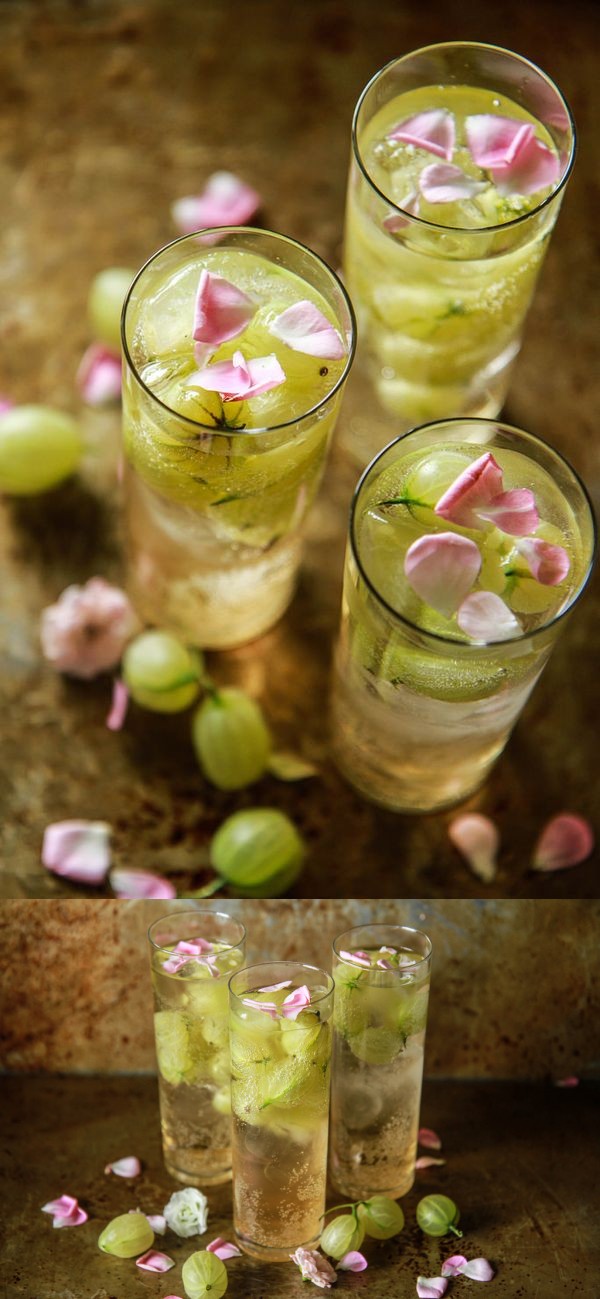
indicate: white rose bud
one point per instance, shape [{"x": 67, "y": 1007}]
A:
[{"x": 187, "y": 1212}]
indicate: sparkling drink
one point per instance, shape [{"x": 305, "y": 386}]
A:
[
  {"x": 280, "y": 1057},
  {"x": 461, "y": 154},
  {"x": 381, "y": 975},
  {"x": 193, "y": 954},
  {"x": 426, "y": 691},
  {"x": 236, "y": 356}
]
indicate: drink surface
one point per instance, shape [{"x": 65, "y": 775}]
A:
[
  {"x": 379, "y": 1030},
  {"x": 183, "y": 462},
  {"x": 396, "y": 165},
  {"x": 192, "y": 1048},
  {"x": 441, "y": 300},
  {"x": 280, "y": 1103},
  {"x": 397, "y": 507}
]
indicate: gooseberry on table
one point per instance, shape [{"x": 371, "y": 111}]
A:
[{"x": 39, "y": 448}]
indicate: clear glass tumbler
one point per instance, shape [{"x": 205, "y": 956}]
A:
[
  {"x": 441, "y": 284},
  {"x": 280, "y": 1057},
  {"x": 424, "y": 700},
  {"x": 381, "y": 975},
  {"x": 218, "y": 483},
  {"x": 192, "y": 955}
]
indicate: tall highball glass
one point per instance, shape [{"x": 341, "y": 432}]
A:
[
  {"x": 460, "y": 157},
  {"x": 225, "y": 441},
  {"x": 192, "y": 955},
  {"x": 428, "y": 684},
  {"x": 280, "y": 1062},
  {"x": 381, "y": 975}
]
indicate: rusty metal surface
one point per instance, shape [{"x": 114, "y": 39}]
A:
[
  {"x": 110, "y": 111},
  {"x": 515, "y": 990},
  {"x": 525, "y": 1206}
]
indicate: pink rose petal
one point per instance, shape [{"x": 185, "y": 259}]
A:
[
  {"x": 200, "y": 949},
  {"x": 221, "y": 312},
  {"x": 395, "y": 221},
  {"x": 99, "y": 375},
  {"x": 225, "y": 201},
  {"x": 485, "y": 617},
  {"x": 119, "y": 706},
  {"x": 127, "y": 883},
  {"x": 494, "y": 141},
  {"x": 548, "y": 564},
  {"x": 357, "y": 958},
  {"x": 518, "y": 162},
  {"x": 352, "y": 1262},
  {"x": 87, "y": 629},
  {"x": 478, "y": 484},
  {"x": 442, "y": 567},
  {"x": 453, "y": 1266},
  {"x": 477, "y": 1269},
  {"x": 432, "y": 130},
  {"x": 535, "y": 167},
  {"x": 154, "y": 1261},
  {"x": 268, "y": 1007},
  {"x": 477, "y": 839},
  {"x": 429, "y": 1139},
  {"x": 128, "y": 1167},
  {"x": 238, "y": 380},
  {"x": 223, "y": 1249},
  {"x": 514, "y": 512},
  {"x": 298, "y": 1000},
  {"x": 305, "y": 329},
  {"x": 66, "y": 1212},
  {"x": 426, "y": 1161},
  {"x": 276, "y": 987},
  {"x": 571, "y": 1081},
  {"x": 444, "y": 183},
  {"x": 6, "y": 404},
  {"x": 565, "y": 841},
  {"x": 431, "y": 1287},
  {"x": 77, "y": 850},
  {"x": 156, "y": 1220}
]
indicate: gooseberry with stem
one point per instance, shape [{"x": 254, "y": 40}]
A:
[{"x": 437, "y": 1215}]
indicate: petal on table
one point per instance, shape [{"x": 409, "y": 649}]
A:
[
  {"x": 223, "y": 1249},
  {"x": 565, "y": 841},
  {"x": 154, "y": 1261},
  {"x": 477, "y": 839},
  {"x": 429, "y": 1139},
  {"x": 431, "y": 1287},
  {"x": 128, "y": 883},
  {"x": 119, "y": 706},
  {"x": 77, "y": 850},
  {"x": 353, "y": 1261},
  {"x": 128, "y": 1167},
  {"x": 225, "y": 201},
  {"x": 98, "y": 377}
]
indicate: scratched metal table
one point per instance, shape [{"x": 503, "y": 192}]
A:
[
  {"x": 520, "y": 1165},
  {"x": 110, "y": 111}
]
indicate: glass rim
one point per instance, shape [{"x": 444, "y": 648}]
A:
[
  {"x": 433, "y": 225},
  {"x": 292, "y": 965},
  {"x": 460, "y": 646},
  {"x": 197, "y": 911},
  {"x": 378, "y": 924},
  {"x": 269, "y": 428}
]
